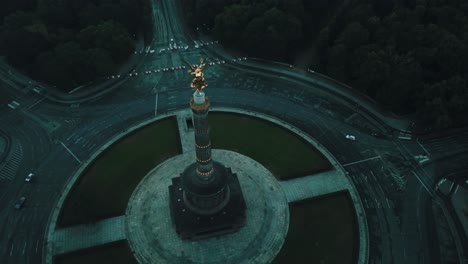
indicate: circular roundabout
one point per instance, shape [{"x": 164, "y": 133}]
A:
[{"x": 148, "y": 232}]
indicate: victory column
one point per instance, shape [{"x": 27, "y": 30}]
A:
[{"x": 206, "y": 199}]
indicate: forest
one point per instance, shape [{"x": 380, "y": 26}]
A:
[
  {"x": 70, "y": 43},
  {"x": 409, "y": 55}
]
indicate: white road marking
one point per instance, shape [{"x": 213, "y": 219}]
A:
[
  {"x": 71, "y": 153},
  {"x": 11, "y": 249},
  {"x": 360, "y": 161},
  {"x": 377, "y": 202},
  {"x": 38, "y": 101},
  {"x": 425, "y": 150},
  {"x": 423, "y": 184},
  {"x": 37, "y": 245},
  {"x": 24, "y": 248},
  {"x": 388, "y": 203}
]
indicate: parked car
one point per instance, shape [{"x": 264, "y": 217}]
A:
[{"x": 350, "y": 137}]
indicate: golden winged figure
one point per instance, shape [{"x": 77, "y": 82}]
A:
[{"x": 198, "y": 82}]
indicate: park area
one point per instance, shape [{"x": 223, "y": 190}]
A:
[{"x": 318, "y": 227}]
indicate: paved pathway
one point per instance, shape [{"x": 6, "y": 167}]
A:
[
  {"x": 314, "y": 185},
  {"x": 85, "y": 236}
]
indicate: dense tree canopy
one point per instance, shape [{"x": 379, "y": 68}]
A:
[
  {"x": 410, "y": 55},
  {"x": 68, "y": 43}
]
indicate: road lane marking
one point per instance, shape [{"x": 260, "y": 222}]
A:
[
  {"x": 11, "y": 249},
  {"x": 360, "y": 161},
  {"x": 37, "y": 245},
  {"x": 71, "y": 153},
  {"x": 38, "y": 101},
  {"x": 425, "y": 150},
  {"x": 24, "y": 248},
  {"x": 423, "y": 184}
]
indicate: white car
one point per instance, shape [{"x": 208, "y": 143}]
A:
[
  {"x": 29, "y": 177},
  {"x": 350, "y": 137}
]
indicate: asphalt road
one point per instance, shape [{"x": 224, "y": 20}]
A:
[{"x": 56, "y": 138}]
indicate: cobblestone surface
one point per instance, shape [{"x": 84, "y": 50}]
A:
[{"x": 152, "y": 236}]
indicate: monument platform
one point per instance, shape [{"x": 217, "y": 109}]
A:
[{"x": 152, "y": 235}]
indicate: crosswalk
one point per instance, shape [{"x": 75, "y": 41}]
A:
[{"x": 9, "y": 168}]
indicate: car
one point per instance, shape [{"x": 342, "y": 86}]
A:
[
  {"x": 172, "y": 40},
  {"x": 29, "y": 177},
  {"x": 350, "y": 137},
  {"x": 20, "y": 203}
]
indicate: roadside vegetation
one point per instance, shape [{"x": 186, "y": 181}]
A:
[
  {"x": 70, "y": 43},
  {"x": 321, "y": 230},
  {"x": 409, "y": 55},
  {"x": 105, "y": 187},
  {"x": 285, "y": 154}
]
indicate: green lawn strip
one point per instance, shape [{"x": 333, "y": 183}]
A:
[
  {"x": 282, "y": 152},
  {"x": 115, "y": 253},
  {"x": 321, "y": 230},
  {"x": 105, "y": 187}
]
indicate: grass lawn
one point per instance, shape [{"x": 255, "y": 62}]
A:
[
  {"x": 104, "y": 188},
  {"x": 285, "y": 154},
  {"x": 115, "y": 253},
  {"x": 322, "y": 230}
]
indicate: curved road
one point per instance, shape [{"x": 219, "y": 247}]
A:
[{"x": 56, "y": 138}]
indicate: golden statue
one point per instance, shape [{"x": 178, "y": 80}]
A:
[{"x": 198, "y": 82}]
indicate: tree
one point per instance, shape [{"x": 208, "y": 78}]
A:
[
  {"x": 354, "y": 35},
  {"x": 337, "y": 62},
  {"x": 444, "y": 103},
  {"x": 272, "y": 34},
  {"x": 230, "y": 24},
  {"x": 107, "y": 35}
]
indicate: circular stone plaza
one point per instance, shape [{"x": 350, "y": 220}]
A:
[{"x": 190, "y": 209}]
